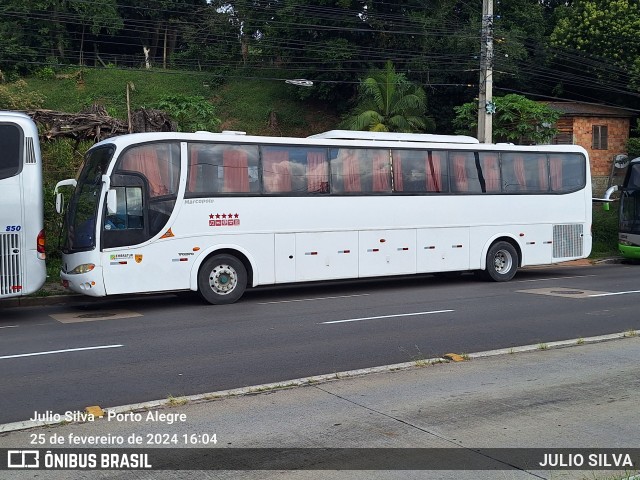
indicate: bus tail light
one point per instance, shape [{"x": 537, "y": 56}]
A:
[{"x": 41, "y": 243}]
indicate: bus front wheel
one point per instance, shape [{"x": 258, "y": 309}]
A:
[
  {"x": 502, "y": 262},
  {"x": 222, "y": 279}
]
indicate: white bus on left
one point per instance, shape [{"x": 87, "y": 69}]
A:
[{"x": 22, "y": 240}]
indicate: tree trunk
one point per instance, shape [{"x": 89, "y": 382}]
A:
[{"x": 81, "y": 60}]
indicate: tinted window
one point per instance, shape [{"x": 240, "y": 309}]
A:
[
  {"x": 525, "y": 172},
  {"x": 10, "y": 150},
  {"x": 222, "y": 168},
  {"x": 567, "y": 172},
  {"x": 294, "y": 170},
  {"x": 360, "y": 170},
  {"x": 158, "y": 163},
  {"x": 465, "y": 171},
  {"x": 420, "y": 171}
]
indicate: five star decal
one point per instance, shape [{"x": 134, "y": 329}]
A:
[{"x": 224, "y": 219}]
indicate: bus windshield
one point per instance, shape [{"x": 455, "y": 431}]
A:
[
  {"x": 630, "y": 201},
  {"x": 83, "y": 207}
]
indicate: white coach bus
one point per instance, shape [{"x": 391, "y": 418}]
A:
[
  {"x": 217, "y": 213},
  {"x": 22, "y": 241}
]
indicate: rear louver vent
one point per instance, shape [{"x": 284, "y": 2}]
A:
[
  {"x": 30, "y": 154},
  {"x": 567, "y": 240},
  {"x": 10, "y": 279}
]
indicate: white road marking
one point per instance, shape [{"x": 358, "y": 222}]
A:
[
  {"x": 10, "y": 326},
  {"x": 385, "y": 316},
  {"x": 60, "y": 351},
  {"x": 313, "y": 299},
  {"x": 614, "y": 293}
]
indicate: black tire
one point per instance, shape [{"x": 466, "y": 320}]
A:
[
  {"x": 502, "y": 262},
  {"x": 222, "y": 279}
]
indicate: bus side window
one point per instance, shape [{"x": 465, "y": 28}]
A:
[
  {"x": 464, "y": 171},
  {"x": 409, "y": 173},
  {"x": 360, "y": 170},
  {"x": 222, "y": 168},
  {"x": 567, "y": 172},
  {"x": 299, "y": 170},
  {"x": 514, "y": 178},
  {"x": 345, "y": 171},
  {"x": 159, "y": 163},
  {"x": 317, "y": 171},
  {"x": 129, "y": 213},
  {"x": 203, "y": 169},
  {"x": 276, "y": 170},
  {"x": 525, "y": 172},
  {"x": 239, "y": 169},
  {"x": 490, "y": 171},
  {"x": 380, "y": 170}
]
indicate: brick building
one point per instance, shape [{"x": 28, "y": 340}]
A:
[{"x": 602, "y": 131}]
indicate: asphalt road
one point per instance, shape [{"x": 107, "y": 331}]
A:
[{"x": 120, "y": 351}]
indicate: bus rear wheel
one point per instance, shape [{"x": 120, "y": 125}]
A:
[
  {"x": 502, "y": 262},
  {"x": 222, "y": 279}
]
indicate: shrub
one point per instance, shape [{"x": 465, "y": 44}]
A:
[
  {"x": 16, "y": 96},
  {"x": 191, "y": 112},
  {"x": 605, "y": 231}
]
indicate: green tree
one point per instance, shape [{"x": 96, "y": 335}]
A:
[
  {"x": 517, "y": 119},
  {"x": 388, "y": 102},
  {"x": 607, "y": 28},
  {"x": 156, "y": 25},
  {"x": 97, "y": 17}
]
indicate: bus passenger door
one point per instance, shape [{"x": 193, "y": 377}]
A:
[{"x": 130, "y": 263}]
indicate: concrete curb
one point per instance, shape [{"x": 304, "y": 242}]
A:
[{"x": 313, "y": 380}]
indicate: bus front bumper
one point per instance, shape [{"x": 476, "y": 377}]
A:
[
  {"x": 629, "y": 251},
  {"x": 89, "y": 283}
]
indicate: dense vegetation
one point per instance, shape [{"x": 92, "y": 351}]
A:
[{"x": 580, "y": 49}]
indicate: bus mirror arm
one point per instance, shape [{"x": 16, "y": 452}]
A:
[
  {"x": 606, "y": 200},
  {"x": 70, "y": 182},
  {"x": 112, "y": 197}
]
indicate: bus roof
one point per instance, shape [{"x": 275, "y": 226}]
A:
[
  {"x": 394, "y": 137},
  {"x": 339, "y": 139}
]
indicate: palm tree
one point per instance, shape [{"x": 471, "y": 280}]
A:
[{"x": 388, "y": 102}]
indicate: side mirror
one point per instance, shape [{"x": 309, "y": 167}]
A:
[
  {"x": 59, "y": 203},
  {"x": 112, "y": 202},
  {"x": 69, "y": 182}
]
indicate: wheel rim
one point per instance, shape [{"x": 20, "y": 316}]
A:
[
  {"x": 502, "y": 262},
  {"x": 223, "y": 279}
]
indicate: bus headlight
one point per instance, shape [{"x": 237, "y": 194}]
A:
[{"x": 83, "y": 268}]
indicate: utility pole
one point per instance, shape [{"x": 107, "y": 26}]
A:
[{"x": 486, "y": 108}]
